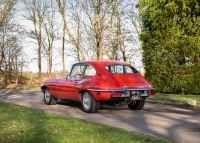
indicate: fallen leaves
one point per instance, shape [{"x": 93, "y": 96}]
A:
[{"x": 21, "y": 131}]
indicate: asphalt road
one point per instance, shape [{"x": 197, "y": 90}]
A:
[{"x": 167, "y": 122}]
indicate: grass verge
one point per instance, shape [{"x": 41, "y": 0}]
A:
[
  {"x": 22, "y": 124},
  {"x": 180, "y": 98},
  {"x": 21, "y": 87}
]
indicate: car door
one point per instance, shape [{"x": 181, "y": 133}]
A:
[{"x": 67, "y": 87}]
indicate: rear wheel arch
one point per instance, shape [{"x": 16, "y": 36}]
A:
[{"x": 81, "y": 93}]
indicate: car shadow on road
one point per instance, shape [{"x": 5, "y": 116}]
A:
[
  {"x": 107, "y": 107},
  {"x": 70, "y": 104},
  {"x": 79, "y": 106}
]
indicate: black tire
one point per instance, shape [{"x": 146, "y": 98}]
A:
[
  {"x": 89, "y": 104},
  {"x": 48, "y": 98},
  {"x": 137, "y": 105}
]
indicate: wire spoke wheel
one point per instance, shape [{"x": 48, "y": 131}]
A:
[
  {"x": 89, "y": 104},
  {"x": 47, "y": 95},
  {"x": 87, "y": 100},
  {"x": 48, "y": 98}
]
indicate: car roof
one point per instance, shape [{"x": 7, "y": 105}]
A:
[{"x": 102, "y": 63}]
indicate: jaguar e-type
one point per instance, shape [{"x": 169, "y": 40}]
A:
[{"x": 94, "y": 83}]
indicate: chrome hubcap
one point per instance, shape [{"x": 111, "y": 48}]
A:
[{"x": 86, "y": 100}]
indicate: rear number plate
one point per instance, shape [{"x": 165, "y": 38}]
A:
[{"x": 136, "y": 97}]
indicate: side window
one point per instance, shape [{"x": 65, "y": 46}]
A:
[
  {"x": 107, "y": 68},
  {"x": 130, "y": 70},
  {"x": 77, "y": 71},
  {"x": 116, "y": 69},
  {"x": 90, "y": 71},
  {"x": 120, "y": 69}
]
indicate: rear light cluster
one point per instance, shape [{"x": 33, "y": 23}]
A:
[
  {"x": 128, "y": 94},
  {"x": 152, "y": 92}
]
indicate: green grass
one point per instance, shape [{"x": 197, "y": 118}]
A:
[
  {"x": 27, "y": 125},
  {"x": 175, "y": 98}
]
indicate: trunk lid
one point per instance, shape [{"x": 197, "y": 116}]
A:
[{"x": 129, "y": 78}]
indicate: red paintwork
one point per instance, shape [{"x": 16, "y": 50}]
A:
[{"x": 70, "y": 89}]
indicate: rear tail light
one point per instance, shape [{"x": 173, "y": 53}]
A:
[
  {"x": 152, "y": 92},
  {"x": 116, "y": 94}
]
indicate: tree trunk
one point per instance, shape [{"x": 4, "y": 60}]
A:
[
  {"x": 99, "y": 49},
  {"x": 63, "y": 53},
  {"x": 39, "y": 62},
  {"x": 16, "y": 68}
]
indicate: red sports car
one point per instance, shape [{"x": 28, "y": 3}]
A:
[{"x": 94, "y": 83}]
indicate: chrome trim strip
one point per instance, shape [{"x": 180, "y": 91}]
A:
[{"x": 127, "y": 89}]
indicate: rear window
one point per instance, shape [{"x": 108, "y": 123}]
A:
[{"x": 120, "y": 69}]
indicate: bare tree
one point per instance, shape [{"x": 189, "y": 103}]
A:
[
  {"x": 74, "y": 29},
  {"x": 123, "y": 33},
  {"x": 97, "y": 29},
  {"x": 133, "y": 31},
  {"x": 97, "y": 21},
  {"x": 50, "y": 29},
  {"x": 63, "y": 50},
  {"x": 11, "y": 51},
  {"x": 15, "y": 58},
  {"x": 6, "y": 7},
  {"x": 36, "y": 10},
  {"x": 11, "y": 35},
  {"x": 112, "y": 34}
]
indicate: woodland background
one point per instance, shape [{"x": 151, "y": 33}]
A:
[{"x": 163, "y": 36}]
